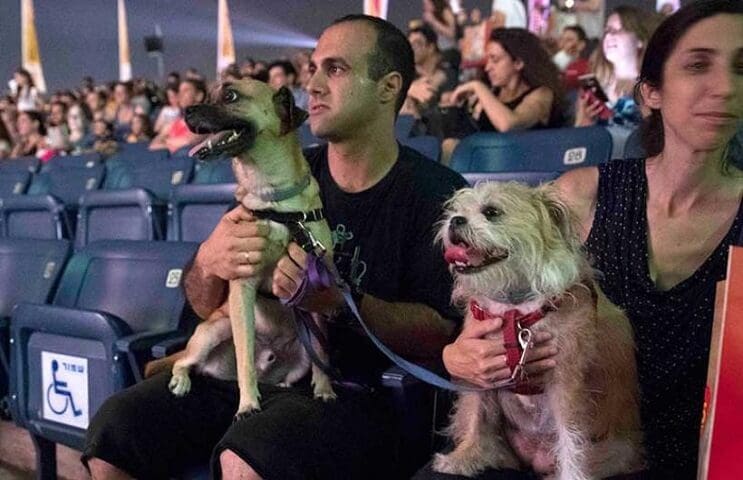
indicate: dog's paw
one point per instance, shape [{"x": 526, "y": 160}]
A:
[
  {"x": 239, "y": 416},
  {"x": 180, "y": 384},
  {"x": 455, "y": 464},
  {"x": 284, "y": 385},
  {"x": 325, "y": 396}
]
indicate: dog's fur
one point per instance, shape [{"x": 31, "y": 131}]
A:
[
  {"x": 511, "y": 246},
  {"x": 257, "y": 126}
]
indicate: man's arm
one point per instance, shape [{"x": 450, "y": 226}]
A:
[
  {"x": 414, "y": 330},
  {"x": 235, "y": 249}
]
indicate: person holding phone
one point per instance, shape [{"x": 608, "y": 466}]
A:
[{"x": 616, "y": 66}]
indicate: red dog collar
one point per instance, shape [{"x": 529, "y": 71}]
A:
[{"x": 513, "y": 320}]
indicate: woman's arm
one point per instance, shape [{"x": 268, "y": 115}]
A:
[
  {"x": 579, "y": 189},
  {"x": 447, "y": 28}
]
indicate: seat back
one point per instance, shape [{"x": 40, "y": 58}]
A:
[
  {"x": 69, "y": 183},
  {"x": 35, "y": 216},
  {"x": 83, "y": 160},
  {"x": 403, "y": 126},
  {"x": 20, "y": 164},
  {"x": 195, "y": 210},
  {"x": 213, "y": 171},
  {"x": 158, "y": 177},
  {"x": 633, "y": 145},
  {"x": 14, "y": 183},
  {"x": 530, "y": 178},
  {"x": 547, "y": 150},
  {"x": 137, "y": 281},
  {"x": 427, "y": 145},
  {"x": 307, "y": 138}
]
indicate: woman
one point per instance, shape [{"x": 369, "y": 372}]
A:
[
  {"x": 31, "y": 132},
  {"x": 659, "y": 228},
  {"x": 617, "y": 65},
  {"x": 26, "y": 94},
  {"x": 524, "y": 90},
  {"x": 170, "y": 112},
  {"x": 439, "y": 16},
  {"x": 141, "y": 129}
]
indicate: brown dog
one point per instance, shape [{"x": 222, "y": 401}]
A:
[
  {"x": 257, "y": 127},
  {"x": 514, "y": 255}
]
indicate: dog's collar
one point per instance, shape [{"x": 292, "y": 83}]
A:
[
  {"x": 513, "y": 322},
  {"x": 290, "y": 217},
  {"x": 280, "y": 195}
]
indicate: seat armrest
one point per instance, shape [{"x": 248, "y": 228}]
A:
[
  {"x": 88, "y": 324},
  {"x": 138, "y": 348},
  {"x": 169, "y": 346}
]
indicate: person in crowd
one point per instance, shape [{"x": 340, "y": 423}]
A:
[
  {"x": 281, "y": 73},
  {"x": 177, "y": 135},
  {"x": 31, "y": 133},
  {"x": 141, "y": 129},
  {"x": 122, "y": 110},
  {"x": 439, "y": 16},
  {"x": 173, "y": 80},
  {"x": 25, "y": 93},
  {"x": 382, "y": 201},
  {"x": 192, "y": 73},
  {"x": 247, "y": 66},
  {"x": 170, "y": 111},
  {"x": 572, "y": 46},
  {"x": 523, "y": 90},
  {"x": 6, "y": 142},
  {"x": 617, "y": 65},
  {"x": 57, "y": 131},
  {"x": 9, "y": 116},
  {"x": 508, "y": 13},
  {"x": 96, "y": 102},
  {"x": 433, "y": 74},
  {"x": 78, "y": 120}
]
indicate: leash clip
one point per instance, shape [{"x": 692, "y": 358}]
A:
[{"x": 309, "y": 243}]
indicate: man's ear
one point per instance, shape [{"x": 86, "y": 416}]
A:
[
  {"x": 290, "y": 115},
  {"x": 389, "y": 86},
  {"x": 651, "y": 96}
]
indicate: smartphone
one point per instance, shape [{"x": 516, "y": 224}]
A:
[{"x": 589, "y": 84}]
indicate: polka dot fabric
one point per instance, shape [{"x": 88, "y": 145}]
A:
[{"x": 672, "y": 328}]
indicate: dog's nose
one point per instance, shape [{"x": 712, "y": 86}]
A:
[{"x": 457, "y": 222}]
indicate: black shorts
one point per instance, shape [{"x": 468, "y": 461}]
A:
[{"x": 149, "y": 433}]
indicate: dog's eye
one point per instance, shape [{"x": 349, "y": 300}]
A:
[
  {"x": 229, "y": 96},
  {"x": 491, "y": 213}
]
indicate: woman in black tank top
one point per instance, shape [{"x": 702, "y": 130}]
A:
[{"x": 659, "y": 228}]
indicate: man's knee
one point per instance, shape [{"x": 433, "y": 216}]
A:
[
  {"x": 235, "y": 468},
  {"x": 100, "y": 470}
]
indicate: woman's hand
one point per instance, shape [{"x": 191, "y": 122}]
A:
[
  {"x": 466, "y": 91},
  {"x": 588, "y": 110},
  {"x": 482, "y": 361},
  {"x": 421, "y": 91}
]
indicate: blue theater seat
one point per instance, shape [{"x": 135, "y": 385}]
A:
[
  {"x": 14, "y": 183},
  {"x": 50, "y": 212},
  {"x": 30, "y": 271},
  {"x": 194, "y": 210},
  {"x": 429, "y": 146},
  {"x": 403, "y": 126},
  {"x": 20, "y": 164},
  {"x": 548, "y": 150},
  {"x": 213, "y": 171},
  {"x": 83, "y": 160},
  {"x": 133, "y": 205},
  {"x": 114, "y": 301},
  {"x": 530, "y": 178}
]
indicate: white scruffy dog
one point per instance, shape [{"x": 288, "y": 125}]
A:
[{"x": 513, "y": 252}]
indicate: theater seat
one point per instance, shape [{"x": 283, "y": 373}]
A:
[
  {"x": 30, "y": 271},
  {"x": 429, "y": 146},
  {"x": 83, "y": 160},
  {"x": 20, "y": 164},
  {"x": 194, "y": 210},
  {"x": 548, "y": 150},
  {"x": 530, "y": 178},
  {"x": 14, "y": 183},
  {"x": 114, "y": 301},
  {"x": 213, "y": 171}
]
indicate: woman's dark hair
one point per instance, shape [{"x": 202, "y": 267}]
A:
[
  {"x": 659, "y": 49},
  {"x": 539, "y": 70},
  {"x": 35, "y": 117},
  {"x": 25, "y": 73},
  {"x": 438, "y": 9}
]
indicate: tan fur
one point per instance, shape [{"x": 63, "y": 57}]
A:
[
  {"x": 586, "y": 422},
  {"x": 274, "y": 162}
]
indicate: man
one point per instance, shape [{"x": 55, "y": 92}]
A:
[
  {"x": 382, "y": 201},
  {"x": 433, "y": 74},
  {"x": 282, "y": 73},
  {"x": 176, "y": 135}
]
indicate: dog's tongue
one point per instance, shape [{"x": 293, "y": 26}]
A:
[
  {"x": 203, "y": 149},
  {"x": 456, "y": 253}
]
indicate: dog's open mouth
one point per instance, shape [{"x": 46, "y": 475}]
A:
[
  {"x": 468, "y": 260},
  {"x": 230, "y": 142}
]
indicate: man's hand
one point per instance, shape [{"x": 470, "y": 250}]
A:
[
  {"x": 236, "y": 247},
  {"x": 291, "y": 270},
  {"x": 482, "y": 361}
]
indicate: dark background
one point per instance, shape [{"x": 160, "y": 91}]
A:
[{"x": 79, "y": 37}]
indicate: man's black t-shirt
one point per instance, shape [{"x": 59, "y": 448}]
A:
[{"x": 383, "y": 241}]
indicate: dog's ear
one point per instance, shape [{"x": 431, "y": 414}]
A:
[
  {"x": 559, "y": 212},
  {"x": 290, "y": 115}
]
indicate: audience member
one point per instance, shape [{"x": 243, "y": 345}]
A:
[
  {"x": 78, "y": 119},
  {"x": 382, "y": 200},
  {"x": 170, "y": 111},
  {"x": 57, "y": 131},
  {"x": 6, "y": 142},
  {"x": 440, "y": 17},
  {"x": 572, "y": 46},
  {"x": 31, "y": 132},
  {"x": 25, "y": 93},
  {"x": 617, "y": 65},
  {"x": 123, "y": 110},
  {"x": 102, "y": 139},
  {"x": 508, "y": 13},
  {"x": 96, "y": 102},
  {"x": 281, "y": 73},
  {"x": 523, "y": 91},
  {"x": 659, "y": 228},
  {"x": 9, "y": 116},
  {"x": 141, "y": 129},
  {"x": 177, "y": 135}
]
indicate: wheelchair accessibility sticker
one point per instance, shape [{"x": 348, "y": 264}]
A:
[{"x": 65, "y": 389}]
